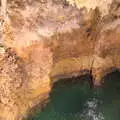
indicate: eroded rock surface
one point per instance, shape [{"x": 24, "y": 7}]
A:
[{"x": 47, "y": 40}]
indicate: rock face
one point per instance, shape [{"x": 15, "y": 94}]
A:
[
  {"x": 49, "y": 40},
  {"x": 103, "y": 4}
]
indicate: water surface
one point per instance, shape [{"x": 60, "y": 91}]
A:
[{"x": 75, "y": 100}]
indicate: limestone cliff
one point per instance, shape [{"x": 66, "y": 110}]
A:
[{"x": 45, "y": 40}]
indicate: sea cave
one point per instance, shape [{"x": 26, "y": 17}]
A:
[{"x": 59, "y": 59}]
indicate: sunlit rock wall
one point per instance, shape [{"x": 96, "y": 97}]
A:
[{"x": 53, "y": 39}]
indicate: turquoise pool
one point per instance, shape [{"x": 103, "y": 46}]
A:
[{"x": 75, "y": 100}]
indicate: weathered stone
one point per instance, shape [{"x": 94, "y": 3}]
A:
[{"x": 49, "y": 40}]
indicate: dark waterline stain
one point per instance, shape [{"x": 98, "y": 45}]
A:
[{"x": 75, "y": 100}]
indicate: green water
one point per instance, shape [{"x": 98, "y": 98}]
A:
[{"x": 77, "y": 101}]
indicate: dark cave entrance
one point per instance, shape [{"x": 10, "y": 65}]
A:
[
  {"x": 111, "y": 85},
  {"x": 112, "y": 79}
]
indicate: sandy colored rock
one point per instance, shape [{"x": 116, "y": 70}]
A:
[{"x": 48, "y": 40}]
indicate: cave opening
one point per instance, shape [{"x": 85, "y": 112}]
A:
[
  {"x": 73, "y": 99},
  {"x": 112, "y": 79}
]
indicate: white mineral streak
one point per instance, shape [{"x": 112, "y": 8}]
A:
[
  {"x": 92, "y": 4},
  {"x": 3, "y": 7}
]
